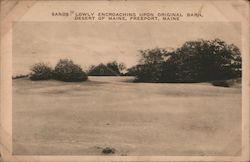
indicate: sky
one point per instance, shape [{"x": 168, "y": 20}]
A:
[{"x": 91, "y": 43}]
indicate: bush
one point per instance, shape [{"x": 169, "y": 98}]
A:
[
  {"x": 20, "y": 76},
  {"x": 108, "y": 150},
  {"x": 227, "y": 83},
  {"x": 41, "y": 71},
  {"x": 221, "y": 83},
  {"x": 67, "y": 71}
]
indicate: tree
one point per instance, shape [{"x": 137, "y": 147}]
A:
[
  {"x": 121, "y": 67},
  {"x": 132, "y": 71},
  {"x": 115, "y": 66},
  {"x": 153, "y": 56},
  {"x": 194, "y": 61},
  {"x": 41, "y": 71},
  {"x": 205, "y": 60},
  {"x": 67, "y": 71},
  {"x": 102, "y": 70}
]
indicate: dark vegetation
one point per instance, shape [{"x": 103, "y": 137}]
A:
[
  {"x": 226, "y": 83},
  {"x": 194, "y": 61},
  {"x": 65, "y": 70},
  {"x": 101, "y": 70},
  {"x": 41, "y": 71},
  {"x": 108, "y": 150},
  {"x": 110, "y": 69},
  {"x": 212, "y": 61},
  {"x": 20, "y": 76},
  {"x": 221, "y": 83}
]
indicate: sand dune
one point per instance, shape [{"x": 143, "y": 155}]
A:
[{"x": 56, "y": 118}]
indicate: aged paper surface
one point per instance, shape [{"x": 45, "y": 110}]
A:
[{"x": 125, "y": 80}]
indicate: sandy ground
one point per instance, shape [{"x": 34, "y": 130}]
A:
[{"x": 57, "y": 118}]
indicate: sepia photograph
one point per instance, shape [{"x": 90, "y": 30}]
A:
[
  {"x": 124, "y": 81},
  {"x": 126, "y": 89}
]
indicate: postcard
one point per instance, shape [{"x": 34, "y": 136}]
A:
[{"x": 143, "y": 80}]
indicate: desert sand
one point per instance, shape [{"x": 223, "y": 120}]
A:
[{"x": 58, "y": 118}]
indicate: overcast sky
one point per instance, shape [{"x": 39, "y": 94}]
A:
[{"x": 93, "y": 43}]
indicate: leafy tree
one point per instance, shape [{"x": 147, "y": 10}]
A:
[
  {"x": 194, "y": 61},
  {"x": 205, "y": 60},
  {"x": 153, "y": 56},
  {"x": 41, "y": 71},
  {"x": 132, "y": 71},
  {"x": 115, "y": 66},
  {"x": 121, "y": 67},
  {"x": 67, "y": 71}
]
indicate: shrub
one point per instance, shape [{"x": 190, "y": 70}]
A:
[
  {"x": 20, "y": 76},
  {"x": 227, "y": 83},
  {"x": 108, "y": 150},
  {"x": 221, "y": 83},
  {"x": 41, "y": 71},
  {"x": 102, "y": 70},
  {"x": 110, "y": 69},
  {"x": 67, "y": 71}
]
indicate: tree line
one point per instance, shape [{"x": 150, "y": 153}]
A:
[{"x": 195, "y": 61}]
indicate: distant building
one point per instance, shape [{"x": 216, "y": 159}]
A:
[{"x": 102, "y": 70}]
